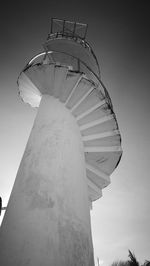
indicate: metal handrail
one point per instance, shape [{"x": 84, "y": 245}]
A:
[
  {"x": 106, "y": 94},
  {"x": 76, "y": 38}
]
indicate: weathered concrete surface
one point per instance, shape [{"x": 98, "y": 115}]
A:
[{"x": 47, "y": 222}]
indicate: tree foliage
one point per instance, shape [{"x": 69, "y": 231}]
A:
[
  {"x": 131, "y": 262},
  {"x": 120, "y": 263}
]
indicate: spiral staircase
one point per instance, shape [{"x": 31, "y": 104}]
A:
[{"x": 89, "y": 105}]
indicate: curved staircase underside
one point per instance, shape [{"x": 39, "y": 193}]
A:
[{"x": 95, "y": 118}]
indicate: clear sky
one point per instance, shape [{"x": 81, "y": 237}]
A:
[{"x": 119, "y": 34}]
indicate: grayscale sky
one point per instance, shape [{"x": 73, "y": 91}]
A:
[{"x": 120, "y": 36}]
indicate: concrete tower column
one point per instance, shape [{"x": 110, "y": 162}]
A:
[{"x": 47, "y": 221}]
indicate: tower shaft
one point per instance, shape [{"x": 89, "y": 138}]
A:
[{"x": 47, "y": 221}]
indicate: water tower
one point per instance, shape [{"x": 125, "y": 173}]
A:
[{"x": 73, "y": 148}]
